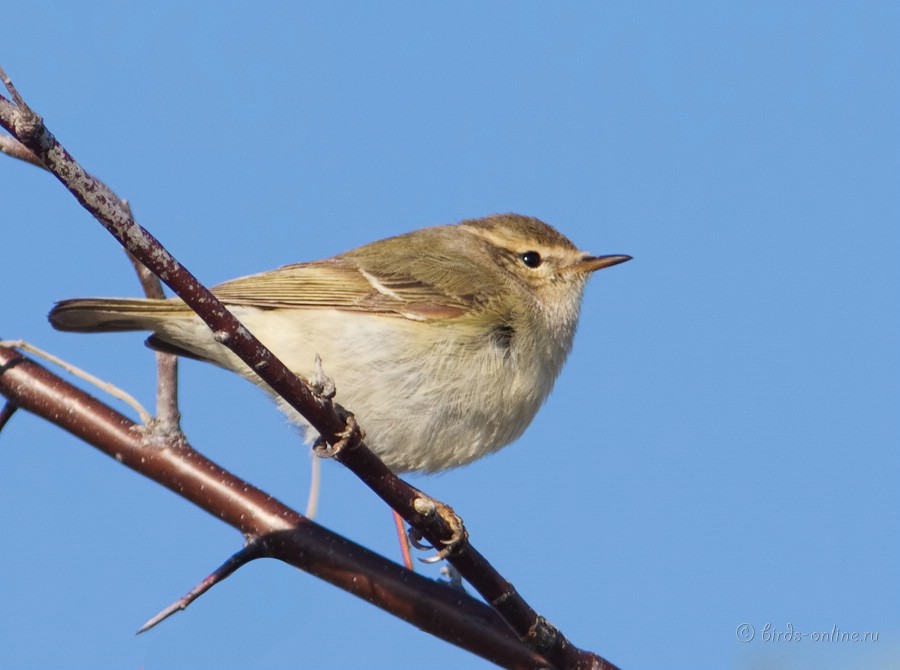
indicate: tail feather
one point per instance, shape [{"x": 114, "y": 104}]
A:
[{"x": 94, "y": 315}]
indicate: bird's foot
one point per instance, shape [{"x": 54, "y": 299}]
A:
[
  {"x": 347, "y": 439},
  {"x": 459, "y": 536}
]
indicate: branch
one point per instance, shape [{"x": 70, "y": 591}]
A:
[{"x": 279, "y": 531}]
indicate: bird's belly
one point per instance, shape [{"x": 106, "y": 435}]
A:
[{"x": 426, "y": 403}]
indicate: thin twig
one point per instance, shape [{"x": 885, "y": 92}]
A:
[
  {"x": 168, "y": 416},
  {"x": 13, "y": 91},
  {"x": 12, "y": 147},
  {"x": 104, "y": 386}
]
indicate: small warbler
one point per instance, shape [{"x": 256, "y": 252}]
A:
[{"x": 443, "y": 342}]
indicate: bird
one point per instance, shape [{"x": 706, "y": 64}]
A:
[{"x": 444, "y": 342}]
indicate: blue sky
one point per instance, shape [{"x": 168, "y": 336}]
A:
[{"x": 722, "y": 446}]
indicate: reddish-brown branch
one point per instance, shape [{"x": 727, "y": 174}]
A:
[{"x": 282, "y": 532}]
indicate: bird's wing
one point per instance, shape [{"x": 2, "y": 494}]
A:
[{"x": 342, "y": 283}]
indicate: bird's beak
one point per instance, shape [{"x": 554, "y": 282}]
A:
[{"x": 590, "y": 264}]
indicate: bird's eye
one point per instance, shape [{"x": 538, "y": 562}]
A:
[{"x": 531, "y": 258}]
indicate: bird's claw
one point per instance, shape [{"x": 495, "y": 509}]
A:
[
  {"x": 415, "y": 539},
  {"x": 459, "y": 536},
  {"x": 348, "y": 437}
]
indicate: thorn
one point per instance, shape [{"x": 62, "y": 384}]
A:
[
  {"x": 6, "y": 413},
  {"x": 178, "y": 605},
  {"x": 255, "y": 548},
  {"x": 322, "y": 384}
]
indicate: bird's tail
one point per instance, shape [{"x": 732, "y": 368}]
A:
[{"x": 95, "y": 315}]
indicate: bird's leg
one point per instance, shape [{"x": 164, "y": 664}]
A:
[{"x": 405, "y": 540}]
